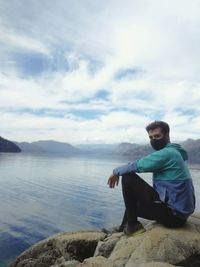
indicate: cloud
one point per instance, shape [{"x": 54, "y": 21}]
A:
[
  {"x": 15, "y": 41},
  {"x": 99, "y": 71}
]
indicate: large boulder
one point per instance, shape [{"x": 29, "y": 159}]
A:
[
  {"x": 157, "y": 247},
  {"x": 59, "y": 249},
  {"x": 159, "y": 244}
]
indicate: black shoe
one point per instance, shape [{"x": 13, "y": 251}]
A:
[
  {"x": 134, "y": 229},
  {"x": 116, "y": 229}
]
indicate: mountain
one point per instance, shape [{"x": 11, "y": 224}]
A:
[
  {"x": 125, "y": 147},
  {"x": 97, "y": 148},
  {"x": 135, "y": 151},
  {"x": 56, "y": 147},
  {"x": 29, "y": 147},
  {"x": 193, "y": 148},
  {"x": 48, "y": 146},
  {"x": 8, "y": 146},
  {"x": 132, "y": 150}
]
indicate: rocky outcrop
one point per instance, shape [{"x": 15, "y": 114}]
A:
[
  {"x": 64, "y": 248},
  {"x": 8, "y": 146},
  {"x": 157, "y": 247}
]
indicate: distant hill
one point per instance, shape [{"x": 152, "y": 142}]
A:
[
  {"x": 8, "y": 146},
  {"x": 97, "y": 148},
  {"x": 56, "y": 147},
  {"x": 134, "y": 151},
  {"x": 193, "y": 148},
  {"x": 125, "y": 147},
  {"x": 48, "y": 146},
  {"x": 29, "y": 147}
]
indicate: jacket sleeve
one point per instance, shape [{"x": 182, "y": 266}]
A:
[
  {"x": 130, "y": 167},
  {"x": 153, "y": 162}
]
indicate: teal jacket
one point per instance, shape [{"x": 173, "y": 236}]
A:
[{"x": 171, "y": 177}]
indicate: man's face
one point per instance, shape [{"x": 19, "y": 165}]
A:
[{"x": 156, "y": 133}]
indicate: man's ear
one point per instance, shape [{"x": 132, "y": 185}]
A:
[{"x": 167, "y": 136}]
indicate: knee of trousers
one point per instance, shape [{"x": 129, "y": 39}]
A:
[{"x": 128, "y": 178}]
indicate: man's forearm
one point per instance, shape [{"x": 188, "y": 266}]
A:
[{"x": 131, "y": 167}]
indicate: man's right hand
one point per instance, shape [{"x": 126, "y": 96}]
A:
[{"x": 113, "y": 180}]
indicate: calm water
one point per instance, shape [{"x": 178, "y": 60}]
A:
[{"x": 41, "y": 195}]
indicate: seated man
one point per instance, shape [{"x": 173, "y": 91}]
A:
[{"x": 171, "y": 199}]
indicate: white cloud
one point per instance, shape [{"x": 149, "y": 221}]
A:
[
  {"x": 16, "y": 41},
  {"x": 24, "y": 93},
  {"x": 96, "y": 41}
]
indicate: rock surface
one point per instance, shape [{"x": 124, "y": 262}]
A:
[{"x": 157, "y": 247}]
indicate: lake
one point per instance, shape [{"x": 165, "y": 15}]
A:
[{"x": 45, "y": 194}]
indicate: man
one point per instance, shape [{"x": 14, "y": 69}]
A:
[{"x": 171, "y": 199}]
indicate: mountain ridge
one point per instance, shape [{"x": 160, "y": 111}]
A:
[
  {"x": 50, "y": 146},
  {"x": 192, "y": 146},
  {"x": 7, "y": 146},
  {"x": 131, "y": 150}
]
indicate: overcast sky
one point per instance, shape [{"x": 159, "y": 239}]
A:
[{"x": 98, "y": 71}]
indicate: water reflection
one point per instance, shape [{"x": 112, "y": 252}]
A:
[{"x": 44, "y": 194}]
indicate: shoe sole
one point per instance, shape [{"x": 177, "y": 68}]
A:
[{"x": 139, "y": 232}]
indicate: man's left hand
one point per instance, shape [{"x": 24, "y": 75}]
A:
[{"x": 113, "y": 180}]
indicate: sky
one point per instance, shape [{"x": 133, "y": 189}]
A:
[{"x": 98, "y": 71}]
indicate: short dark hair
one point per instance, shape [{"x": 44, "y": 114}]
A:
[{"x": 158, "y": 124}]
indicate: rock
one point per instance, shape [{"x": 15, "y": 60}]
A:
[
  {"x": 70, "y": 246},
  {"x": 156, "y": 264},
  {"x": 160, "y": 244},
  {"x": 157, "y": 247},
  {"x": 104, "y": 248},
  {"x": 63, "y": 262},
  {"x": 70, "y": 263},
  {"x": 98, "y": 261}
]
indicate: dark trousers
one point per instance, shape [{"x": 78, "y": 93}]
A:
[{"x": 141, "y": 200}]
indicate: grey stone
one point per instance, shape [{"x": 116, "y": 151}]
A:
[
  {"x": 71, "y": 263},
  {"x": 71, "y": 245},
  {"x": 157, "y": 247},
  {"x": 98, "y": 261},
  {"x": 104, "y": 248},
  {"x": 159, "y": 244},
  {"x": 156, "y": 264}
]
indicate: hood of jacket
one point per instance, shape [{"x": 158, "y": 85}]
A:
[{"x": 178, "y": 147}]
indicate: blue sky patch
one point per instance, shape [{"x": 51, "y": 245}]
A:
[
  {"x": 35, "y": 64},
  {"x": 86, "y": 114},
  {"x": 44, "y": 112},
  {"x": 126, "y": 73},
  {"x": 102, "y": 94},
  {"x": 30, "y": 64},
  {"x": 185, "y": 111},
  {"x": 81, "y": 113}
]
